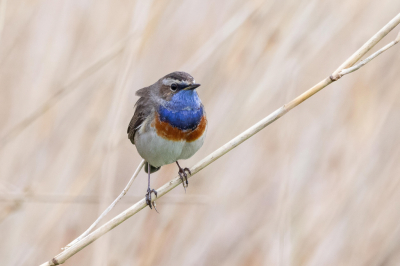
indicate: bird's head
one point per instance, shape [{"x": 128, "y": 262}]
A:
[{"x": 178, "y": 86}]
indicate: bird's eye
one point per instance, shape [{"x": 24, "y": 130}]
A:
[{"x": 174, "y": 87}]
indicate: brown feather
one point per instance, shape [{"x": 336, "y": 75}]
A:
[{"x": 143, "y": 108}]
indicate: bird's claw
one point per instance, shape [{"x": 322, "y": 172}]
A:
[
  {"x": 183, "y": 176},
  {"x": 148, "y": 198}
]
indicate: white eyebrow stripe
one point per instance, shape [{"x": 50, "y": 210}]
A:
[{"x": 169, "y": 81}]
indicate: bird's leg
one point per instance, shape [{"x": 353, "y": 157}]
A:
[
  {"x": 182, "y": 174},
  {"x": 149, "y": 191}
]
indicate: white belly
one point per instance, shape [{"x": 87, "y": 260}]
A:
[
  {"x": 159, "y": 151},
  {"x": 156, "y": 150},
  {"x": 190, "y": 148}
]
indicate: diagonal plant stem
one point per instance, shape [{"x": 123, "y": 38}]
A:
[
  {"x": 367, "y": 46},
  {"x": 66, "y": 254},
  {"x": 369, "y": 58}
]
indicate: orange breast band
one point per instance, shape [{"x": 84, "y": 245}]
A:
[{"x": 166, "y": 131}]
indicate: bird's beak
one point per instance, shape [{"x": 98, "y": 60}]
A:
[{"x": 192, "y": 87}]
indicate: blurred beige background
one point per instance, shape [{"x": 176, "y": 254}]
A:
[{"x": 320, "y": 186}]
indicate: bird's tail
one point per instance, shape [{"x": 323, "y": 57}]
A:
[{"x": 152, "y": 168}]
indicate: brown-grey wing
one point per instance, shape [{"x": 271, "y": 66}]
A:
[
  {"x": 142, "y": 111},
  {"x": 135, "y": 123}
]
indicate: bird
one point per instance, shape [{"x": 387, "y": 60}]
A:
[{"x": 169, "y": 124}]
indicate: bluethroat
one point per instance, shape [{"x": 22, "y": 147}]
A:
[{"x": 169, "y": 124}]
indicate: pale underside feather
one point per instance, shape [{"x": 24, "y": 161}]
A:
[{"x": 159, "y": 151}]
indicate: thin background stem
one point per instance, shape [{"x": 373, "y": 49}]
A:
[
  {"x": 63, "y": 91},
  {"x": 109, "y": 207},
  {"x": 3, "y": 6}
]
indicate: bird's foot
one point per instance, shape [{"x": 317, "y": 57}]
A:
[
  {"x": 148, "y": 198},
  {"x": 183, "y": 176}
]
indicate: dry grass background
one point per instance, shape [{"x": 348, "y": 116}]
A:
[{"x": 320, "y": 186}]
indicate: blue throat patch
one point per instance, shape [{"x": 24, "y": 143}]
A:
[{"x": 183, "y": 111}]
